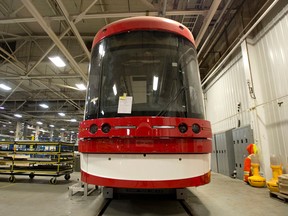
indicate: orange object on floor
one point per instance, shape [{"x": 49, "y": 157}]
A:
[{"x": 252, "y": 149}]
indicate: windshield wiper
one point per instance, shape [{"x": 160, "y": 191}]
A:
[{"x": 164, "y": 110}]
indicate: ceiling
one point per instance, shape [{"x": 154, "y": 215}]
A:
[{"x": 33, "y": 30}]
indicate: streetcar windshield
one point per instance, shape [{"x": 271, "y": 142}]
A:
[{"x": 144, "y": 73}]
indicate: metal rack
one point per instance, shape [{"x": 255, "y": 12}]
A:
[{"x": 35, "y": 158}]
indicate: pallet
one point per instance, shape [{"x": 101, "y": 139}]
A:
[{"x": 280, "y": 196}]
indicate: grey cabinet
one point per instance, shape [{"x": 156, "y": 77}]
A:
[
  {"x": 214, "y": 163},
  {"x": 242, "y": 137},
  {"x": 225, "y": 152}
]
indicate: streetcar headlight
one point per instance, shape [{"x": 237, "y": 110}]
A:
[
  {"x": 106, "y": 128},
  {"x": 93, "y": 128},
  {"x": 182, "y": 127},
  {"x": 196, "y": 128}
]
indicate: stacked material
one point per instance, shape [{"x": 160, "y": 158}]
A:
[{"x": 283, "y": 183}]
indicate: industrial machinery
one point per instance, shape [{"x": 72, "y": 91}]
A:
[{"x": 144, "y": 121}]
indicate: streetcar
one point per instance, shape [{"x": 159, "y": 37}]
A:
[{"x": 144, "y": 123}]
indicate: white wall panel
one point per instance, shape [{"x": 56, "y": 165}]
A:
[
  {"x": 269, "y": 67},
  {"x": 223, "y": 96},
  {"x": 268, "y": 113}
]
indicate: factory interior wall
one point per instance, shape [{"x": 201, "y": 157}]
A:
[{"x": 252, "y": 89}]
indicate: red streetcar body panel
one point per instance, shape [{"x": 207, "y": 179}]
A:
[
  {"x": 120, "y": 183},
  {"x": 145, "y": 127},
  {"x": 152, "y": 146},
  {"x": 143, "y": 23},
  {"x": 145, "y": 135}
]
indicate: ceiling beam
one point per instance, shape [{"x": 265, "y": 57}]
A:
[
  {"x": 207, "y": 20},
  {"x": 104, "y": 15},
  {"x": 164, "y": 8},
  {"x": 103, "y": 10},
  {"x": 40, "y": 77},
  {"x": 9, "y": 101},
  {"x": 73, "y": 27},
  {"x": 42, "y": 37},
  {"x": 61, "y": 95},
  {"x": 31, "y": 8},
  {"x": 82, "y": 14},
  {"x": 215, "y": 26},
  {"x": 219, "y": 64}
]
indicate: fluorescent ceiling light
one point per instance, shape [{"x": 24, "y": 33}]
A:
[
  {"x": 62, "y": 129},
  {"x": 40, "y": 123},
  {"x": 5, "y": 87},
  {"x": 2, "y": 108},
  {"x": 51, "y": 126},
  {"x": 11, "y": 131},
  {"x": 57, "y": 61},
  {"x": 61, "y": 114},
  {"x": 73, "y": 120},
  {"x": 114, "y": 89},
  {"x": 81, "y": 86},
  {"x": 18, "y": 115},
  {"x": 155, "y": 83},
  {"x": 43, "y": 105}
]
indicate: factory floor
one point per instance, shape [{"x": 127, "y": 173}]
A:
[{"x": 223, "y": 196}]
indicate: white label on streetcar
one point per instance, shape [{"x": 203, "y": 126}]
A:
[{"x": 125, "y": 104}]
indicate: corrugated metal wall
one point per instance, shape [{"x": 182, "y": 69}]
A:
[
  {"x": 268, "y": 113},
  {"x": 269, "y": 66},
  {"x": 223, "y": 97}
]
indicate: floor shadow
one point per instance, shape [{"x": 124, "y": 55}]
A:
[{"x": 195, "y": 205}]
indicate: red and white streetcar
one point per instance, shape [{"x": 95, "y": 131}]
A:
[{"x": 144, "y": 121}]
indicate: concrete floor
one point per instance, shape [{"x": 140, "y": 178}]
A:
[{"x": 223, "y": 196}]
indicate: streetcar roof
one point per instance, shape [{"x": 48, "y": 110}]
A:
[{"x": 143, "y": 23}]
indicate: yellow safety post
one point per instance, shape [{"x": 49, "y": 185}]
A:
[
  {"x": 276, "y": 167},
  {"x": 256, "y": 180}
]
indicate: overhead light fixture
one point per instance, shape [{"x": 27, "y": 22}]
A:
[
  {"x": 52, "y": 126},
  {"x": 2, "y": 108},
  {"x": 81, "y": 86},
  {"x": 43, "y": 105},
  {"x": 73, "y": 120},
  {"x": 40, "y": 123},
  {"x": 11, "y": 131},
  {"x": 57, "y": 61},
  {"x": 61, "y": 114},
  {"x": 62, "y": 129},
  {"x": 18, "y": 115},
  {"x": 5, "y": 87},
  {"x": 155, "y": 83}
]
